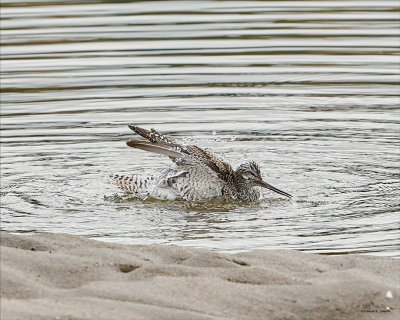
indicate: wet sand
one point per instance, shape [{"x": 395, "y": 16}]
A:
[{"x": 59, "y": 276}]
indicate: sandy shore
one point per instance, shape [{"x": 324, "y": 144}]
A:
[{"x": 58, "y": 276}]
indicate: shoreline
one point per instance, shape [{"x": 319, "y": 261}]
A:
[{"x": 60, "y": 276}]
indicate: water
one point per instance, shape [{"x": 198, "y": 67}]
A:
[{"x": 308, "y": 89}]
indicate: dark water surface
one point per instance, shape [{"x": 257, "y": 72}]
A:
[{"x": 309, "y": 89}]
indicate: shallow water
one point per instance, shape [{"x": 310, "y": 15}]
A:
[{"x": 308, "y": 89}]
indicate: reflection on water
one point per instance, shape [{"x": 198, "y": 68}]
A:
[{"x": 308, "y": 89}]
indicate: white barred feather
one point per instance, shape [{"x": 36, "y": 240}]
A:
[{"x": 134, "y": 183}]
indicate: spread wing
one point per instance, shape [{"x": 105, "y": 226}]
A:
[{"x": 180, "y": 154}]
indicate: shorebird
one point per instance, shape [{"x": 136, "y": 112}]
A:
[{"x": 198, "y": 175}]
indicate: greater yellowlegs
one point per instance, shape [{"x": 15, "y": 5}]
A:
[{"x": 198, "y": 175}]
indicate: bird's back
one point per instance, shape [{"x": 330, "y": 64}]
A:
[
  {"x": 198, "y": 175},
  {"x": 182, "y": 155}
]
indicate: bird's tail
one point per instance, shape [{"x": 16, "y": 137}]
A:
[{"x": 134, "y": 183}]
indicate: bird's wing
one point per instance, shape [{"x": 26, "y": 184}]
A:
[
  {"x": 152, "y": 135},
  {"x": 223, "y": 169},
  {"x": 157, "y": 143},
  {"x": 165, "y": 150},
  {"x": 180, "y": 154}
]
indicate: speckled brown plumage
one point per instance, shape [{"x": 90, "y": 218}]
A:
[
  {"x": 196, "y": 155},
  {"x": 199, "y": 174}
]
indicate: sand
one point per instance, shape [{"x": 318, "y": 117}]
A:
[{"x": 59, "y": 276}]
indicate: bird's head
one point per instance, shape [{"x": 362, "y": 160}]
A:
[{"x": 249, "y": 174}]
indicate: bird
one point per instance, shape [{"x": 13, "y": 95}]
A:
[{"x": 198, "y": 175}]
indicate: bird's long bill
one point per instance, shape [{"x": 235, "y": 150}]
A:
[{"x": 268, "y": 186}]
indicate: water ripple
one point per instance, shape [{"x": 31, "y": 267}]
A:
[{"x": 308, "y": 89}]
